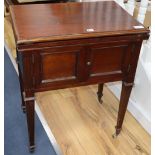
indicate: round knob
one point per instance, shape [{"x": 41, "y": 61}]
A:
[{"x": 88, "y": 63}]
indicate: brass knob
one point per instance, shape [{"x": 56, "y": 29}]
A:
[{"x": 88, "y": 63}]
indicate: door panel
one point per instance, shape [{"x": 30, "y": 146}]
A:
[
  {"x": 106, "y": 60},
  {"x": 58, "y": 66}
]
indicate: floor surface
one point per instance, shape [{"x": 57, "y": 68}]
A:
[{"x": 15, "y": 137}]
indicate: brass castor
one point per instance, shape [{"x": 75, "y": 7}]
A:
[
  {"x": 99, "y": 95},
  {"x": 32, "y": 149},
  {"x": 116, "y": 133},
  {"x": 24, "y": 109}
]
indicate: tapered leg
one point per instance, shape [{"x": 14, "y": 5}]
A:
[
  {"x": 21, "y": 90},
  {"x": 22, "y": 97},
  {"x": 125, "y": 94},
  {"x": 30, "y": 123},
  {"x": 100, "y": 92}
]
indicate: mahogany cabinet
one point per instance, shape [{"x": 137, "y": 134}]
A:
[
  {"x": 65, "y": 46},
  {"x": 63, "y": 65}
]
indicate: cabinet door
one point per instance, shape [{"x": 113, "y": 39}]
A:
[
  {"x": 109, "y": 60},
  {"x": 58, "y": 66}
]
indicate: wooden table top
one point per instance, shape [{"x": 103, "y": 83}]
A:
[{"x": 45, "y": 22}]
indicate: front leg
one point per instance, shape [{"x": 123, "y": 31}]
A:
[
  {"x": 125, "y": 94},
  {"x": 30, "y": 121},
  {"x": 22, "y": 93},
  {"x": 100, "y": 92},
  {"x": 21, "y": 87}
]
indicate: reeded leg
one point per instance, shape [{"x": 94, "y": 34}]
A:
[
  {"x": 125, "y": 94},
  {"x": 100, "y": 92},
  {"x": 30, "y": 123}
]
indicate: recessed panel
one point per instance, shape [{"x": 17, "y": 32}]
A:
[
  {"x": 58, "y": 66},
  {"x": 107, "y": 59}
]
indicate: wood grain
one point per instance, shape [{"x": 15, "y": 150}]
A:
[
  {"x": 82, "y": 126},
  {"x": 46, "y": 22}
]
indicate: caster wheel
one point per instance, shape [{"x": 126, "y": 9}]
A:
[
  {"x": 32, "y": 149},
  {"x": 99, "y": 97},
  {"x": 24, "y": 109},
  {"x": 114, "y": 136},
  {"x": 100, "y": 100}
]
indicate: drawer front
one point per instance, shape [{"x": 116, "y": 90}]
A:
[
  {"x": 58, "y": 66},
  {"x": 109, "y": 59}
]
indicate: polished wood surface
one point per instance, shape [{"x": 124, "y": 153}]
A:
[
  {"x": 52, "y": 68},
  {"x": 42, "y": 22},
  {"x": 71, "y": 65},
  {"x": 54, "y": 51},
  {"x": 21, "y": 2},
  {"x": 82, "y": 126},
  {"x": 132, "y": 129}
]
